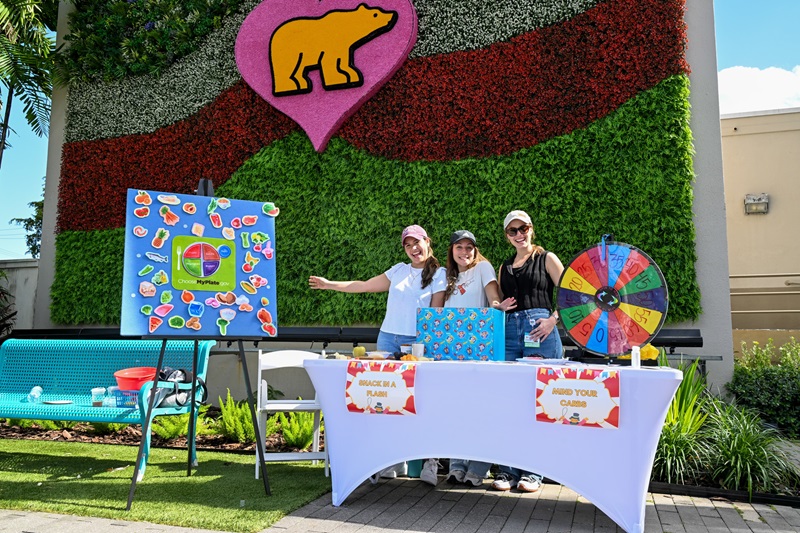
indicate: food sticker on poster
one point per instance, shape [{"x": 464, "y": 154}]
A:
[
  {"x": 198, "y": 266},
  {"x": 576, "y": 396},
  {"x": 381, "y": 387}
]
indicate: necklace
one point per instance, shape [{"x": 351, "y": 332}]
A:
[{"x": 415, "y": 273}]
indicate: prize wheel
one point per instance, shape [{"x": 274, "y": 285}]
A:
[{"x": 612, "y": 297}]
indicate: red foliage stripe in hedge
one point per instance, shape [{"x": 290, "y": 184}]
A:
[
  {"x": 480, "y": 103},
  {"x": 212, "y": 144},
  {"x": 514, "y": 95}
]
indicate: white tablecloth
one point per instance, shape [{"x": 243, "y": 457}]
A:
[{"x": 486, "y": 411}]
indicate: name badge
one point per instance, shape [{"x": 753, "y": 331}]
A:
[{"x": 529, "y": 342}]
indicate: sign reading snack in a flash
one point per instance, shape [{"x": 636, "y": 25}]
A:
[
  {"x": 198, "y": 266},
  {"x": 319, "y": 61}
]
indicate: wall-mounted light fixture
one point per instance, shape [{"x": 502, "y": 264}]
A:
[{"x": 756, "y": 204}]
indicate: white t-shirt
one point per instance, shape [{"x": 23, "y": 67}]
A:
[
  {"x": 406, "y": 295},
  {"x": 470, "y": 286}
]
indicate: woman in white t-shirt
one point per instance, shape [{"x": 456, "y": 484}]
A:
[
  {"x": 420, "y": 283},
  {"x": 471, "y": 282}
]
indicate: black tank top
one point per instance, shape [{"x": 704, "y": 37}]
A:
[{"x": 530, "y": 284}]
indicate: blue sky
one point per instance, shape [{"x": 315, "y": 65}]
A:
[{"x": 758, "y": 58}]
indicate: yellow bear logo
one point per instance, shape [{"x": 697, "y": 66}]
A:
[{"x": 326, "y": 43}]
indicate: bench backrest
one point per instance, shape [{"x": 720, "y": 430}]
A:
[{"x": 75, "y": 366}]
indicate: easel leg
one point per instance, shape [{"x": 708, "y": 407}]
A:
[
  {"x": 191, "y": 441},
  {"x": 252, "y": 403},
  {"x": 146, "y": 424}
]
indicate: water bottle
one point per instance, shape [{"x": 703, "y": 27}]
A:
[
  {"x": 636, "y": 357},
  {"x": 35, "y": 394}
]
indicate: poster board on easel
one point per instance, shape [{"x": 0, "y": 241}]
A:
[{"x": 198, "y": 266}]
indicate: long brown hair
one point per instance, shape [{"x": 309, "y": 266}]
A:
[
  {"x": 431, "y": 264},
  {"x": 452, "y": 269},
  {"x": 430, "y": 267}
]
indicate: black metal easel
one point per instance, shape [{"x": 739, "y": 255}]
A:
[
  {"x": 204, "y": 188},
  {"x": 251, "y": 402}
]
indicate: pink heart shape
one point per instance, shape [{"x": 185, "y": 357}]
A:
[{"x": 327, "y": 57}]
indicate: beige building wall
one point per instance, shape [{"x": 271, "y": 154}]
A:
[{"x": 761, "y": 154}]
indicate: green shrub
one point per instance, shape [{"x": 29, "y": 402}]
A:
[
  {"x": 46, "y": 425},
  {"x": 236, "y": 422},
  {"x": 756, "y": 356},
  {"x": 681, "y": 447},
  {"x": 273, "y": 425},
  {"x": 7, "y": 314},
  {"x": 297, "y": 429},
  {"x": 772, "y": 390},
  {"x": 172, "y": 427},
  {"x": 790, "y": 354},
  {"x": 745, "y": 454},
  {"x": 110, "y": 39}
]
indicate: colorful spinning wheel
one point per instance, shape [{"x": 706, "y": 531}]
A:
[{"x": 612, "y": 297}]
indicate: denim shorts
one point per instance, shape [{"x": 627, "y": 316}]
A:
[
  {"x": 390, "y": 342},
  {"x": 521, "y": 323}
]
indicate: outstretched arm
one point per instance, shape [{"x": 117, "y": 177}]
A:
[
  {"x": 379, "y": 283},
  {"x": 493, "y": 295}
]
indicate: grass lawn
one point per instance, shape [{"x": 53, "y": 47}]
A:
[{"x": 94, "y": 480}]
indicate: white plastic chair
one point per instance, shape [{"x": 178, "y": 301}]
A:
[{"x": 264, "y": 406}]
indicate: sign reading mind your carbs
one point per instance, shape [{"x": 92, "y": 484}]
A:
[
  {"x": 578, "y": 396},
  {"x": 381, "y": 387}
]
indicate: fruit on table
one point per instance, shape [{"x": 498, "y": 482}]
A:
[{"x": 359, "y": 351}]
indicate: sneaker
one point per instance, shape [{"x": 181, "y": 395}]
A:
[
  {"x": 473, "y": 480},
  {"x": 528, "y": 484},
  {"x": 504, "y": 481},
  {"x": 429, "y": 470},
  {"x": 456, "y": 476}
]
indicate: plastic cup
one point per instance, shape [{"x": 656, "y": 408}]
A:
[
  {"x": 98, "y": 393},
  {"x": 418, "y": 349}
]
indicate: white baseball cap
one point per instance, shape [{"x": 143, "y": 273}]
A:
[{"x": 517, "y": 215}]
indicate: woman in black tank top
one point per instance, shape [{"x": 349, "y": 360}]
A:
[{"x": 529, "y": 278}]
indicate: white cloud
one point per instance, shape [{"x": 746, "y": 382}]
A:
[{"x": 743, "y": 89}]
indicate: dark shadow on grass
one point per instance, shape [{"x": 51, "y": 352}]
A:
[
  {"x": 216, "y": 484},
  {"x": 57, "y": 467}
]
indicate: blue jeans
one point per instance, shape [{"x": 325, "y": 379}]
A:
[
  {"x": 521, "y": 323},
  {"x": 390, "y": 342},
  {"x": 517, "y": 473},
  {"x": 477, "y": 468}
]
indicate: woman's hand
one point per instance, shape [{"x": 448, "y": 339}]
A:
[
  {"x": 506, "y": 305},
  {"x": 544, "y": 327},
  {"x": 316, "y": 282}
]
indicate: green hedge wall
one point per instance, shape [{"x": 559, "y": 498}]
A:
[{"x": 342, "y": 211}]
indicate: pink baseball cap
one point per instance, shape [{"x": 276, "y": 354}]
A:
[{"x": 413, "y": 231}]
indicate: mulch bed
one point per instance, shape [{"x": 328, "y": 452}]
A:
[{"x": 131, "y": 436}]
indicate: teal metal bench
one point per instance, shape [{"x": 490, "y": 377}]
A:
[{"x": 69, "y": 369}]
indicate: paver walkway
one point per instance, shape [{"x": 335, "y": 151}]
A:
[
  {"x": 404, "y": 504},
  {"x": 411, "y": 505}
]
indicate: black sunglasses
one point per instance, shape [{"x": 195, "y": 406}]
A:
[{"x": 511, "y": 232}]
